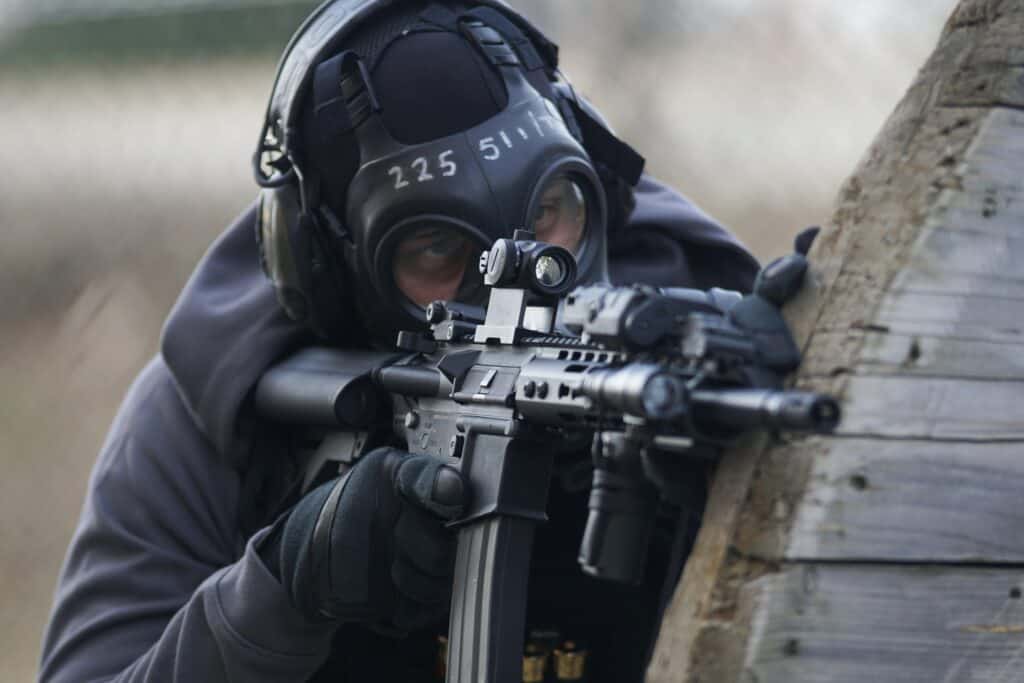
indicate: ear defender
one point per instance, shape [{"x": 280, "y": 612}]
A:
[{"x": 283, "y": 240}]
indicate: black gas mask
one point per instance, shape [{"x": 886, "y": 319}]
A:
[
  {"x": 477, "y": 134},
  {"x": 420, "y": 215}
]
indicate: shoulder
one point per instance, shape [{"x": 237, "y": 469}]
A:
[
  {"x": 152, "y": 423},
  {"x": 158, "y": 479}
]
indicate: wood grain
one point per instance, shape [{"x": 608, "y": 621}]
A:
[
  {"x": 898, "y": 354},
  {"x": 917, "y": 501},
  {"x": 931, "y": 408},
  {"x": 857, "y": 623}
]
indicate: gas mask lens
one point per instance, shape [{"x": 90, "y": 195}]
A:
[
  {"x": 431, "y": 261},
  {"x": 561, "y": 215}
]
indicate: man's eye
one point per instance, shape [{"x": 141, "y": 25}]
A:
[
  {"x": 431, "y": 244},
  {"x": 548, "y": 216},
  {"x": 443, "y": 246}
]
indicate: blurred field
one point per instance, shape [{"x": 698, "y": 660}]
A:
[{"x": 120, "y": 167}]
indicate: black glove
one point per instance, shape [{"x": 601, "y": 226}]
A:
[
  {"x": 371, "y": 546},
  {"x": 760, "y": 315}
]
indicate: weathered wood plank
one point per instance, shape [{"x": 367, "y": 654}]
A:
[
  {"x": 930, "y": 408},
  {"x": 974, "y": 87},
  {"x": 963, "y": 276},
  {"x": 912, "y": 501},
  {"x": 964, "y": 316},
  {"x": 956, "y": 310},
  {"x": 1000, "y": 209},
  {"x": 957, "y": 262},
  {"x": 883, "y": 244},
  {"x": 990, "y": 196},
  {"x": 842, "y": 623},
  {"x": 896, "y": 354}
]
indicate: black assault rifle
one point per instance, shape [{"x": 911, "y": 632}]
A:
[{"x": 637, "y": 369}]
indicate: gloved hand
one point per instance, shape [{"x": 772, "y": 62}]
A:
[
  {"x": 371, "y": 546},
  {"x": 760, "y": 314}
]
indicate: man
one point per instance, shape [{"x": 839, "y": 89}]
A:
[{"x": 197, "y": 557}]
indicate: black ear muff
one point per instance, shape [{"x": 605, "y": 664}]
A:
[{"x": 284, "y": 246}]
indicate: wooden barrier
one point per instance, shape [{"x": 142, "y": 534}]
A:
[{"x": 894, "y": 550}]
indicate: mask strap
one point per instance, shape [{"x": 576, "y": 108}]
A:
[
  {"x": 503, "y": 43},
  {"x": 363, "y": 108},
  {"x": 490, "y": 30},
  {"x": 532, "y": 59},
  {"x": 493, "y": 46}
]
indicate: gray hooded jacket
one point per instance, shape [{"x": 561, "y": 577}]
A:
[{"x": 160, "y": 582}]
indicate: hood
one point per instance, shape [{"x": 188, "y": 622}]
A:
[
  {"x": 669, "y": 242},
  {"x": 225, "y": 329}
]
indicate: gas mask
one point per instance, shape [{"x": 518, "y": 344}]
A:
[
  {"x": 420, "y": 215},
  {"x": 387, "y": 209}
]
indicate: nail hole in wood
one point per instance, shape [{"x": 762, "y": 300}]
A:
[{"x": 914, "y": 352}]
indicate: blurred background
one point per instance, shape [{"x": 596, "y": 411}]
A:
[{"x": 130, "y": 124}]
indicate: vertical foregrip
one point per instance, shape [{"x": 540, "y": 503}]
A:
[{"x": 485, "y": 636}]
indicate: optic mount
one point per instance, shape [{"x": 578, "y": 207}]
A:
[{"x": 526, "y": 279}]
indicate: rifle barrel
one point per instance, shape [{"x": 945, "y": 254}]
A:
[{"x": 743, "y": 409}]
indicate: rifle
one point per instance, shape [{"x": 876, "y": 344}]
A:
[{"x": 638, "y": 369}]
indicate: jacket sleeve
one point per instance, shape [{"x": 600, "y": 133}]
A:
[{"x": 158, "y": 584}]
